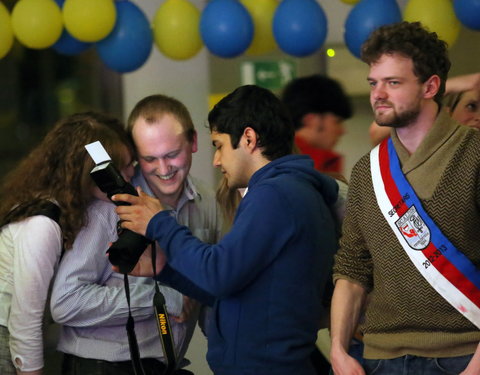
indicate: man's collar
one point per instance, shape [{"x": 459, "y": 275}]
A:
[
  {"x": 190, "y": 189},
  {"x": 442, "y": 129},
  {"x": 189, "y": 192}
]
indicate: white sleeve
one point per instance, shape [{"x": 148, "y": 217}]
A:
[
  {"x": 87, "y": 293},
  {"x": 37, "y": 248}
]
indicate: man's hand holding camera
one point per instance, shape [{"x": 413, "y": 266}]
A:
[
  {"x": 138, "y": 214},
  {"x": 136, "y": 217}
]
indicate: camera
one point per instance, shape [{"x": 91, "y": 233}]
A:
[{"x": 125, "y": 252}]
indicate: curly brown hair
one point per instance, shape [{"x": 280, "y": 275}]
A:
[
  {"x": 59, "y": 168},
  {"x": 410, "y": 39}
]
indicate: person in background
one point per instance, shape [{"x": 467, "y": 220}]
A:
[
  {"x": 268, "y": 273},
  {"x": 57, "y": 171},
  {"x": 399, "y": 242},
  {"x": 318, "y": 106},
  {"x": 88, "y": 298},
  {"x": 462, "y": 98}
]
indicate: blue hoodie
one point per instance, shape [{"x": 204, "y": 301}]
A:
[{"x": 267, "y": 274}]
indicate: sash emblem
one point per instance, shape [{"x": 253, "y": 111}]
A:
[{"x": 413, "y": 229}]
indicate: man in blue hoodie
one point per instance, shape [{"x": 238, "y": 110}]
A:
[{"x": 268, "y": 273}]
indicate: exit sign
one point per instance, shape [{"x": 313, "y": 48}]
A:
[{"x": 272, "y": 75}]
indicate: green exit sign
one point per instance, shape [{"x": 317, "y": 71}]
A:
[{"x": 272, "y": 75}]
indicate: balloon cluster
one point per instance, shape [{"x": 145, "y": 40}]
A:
[
  {"x": 123, "y": 36},
  {"x": 441, "y": 16}
]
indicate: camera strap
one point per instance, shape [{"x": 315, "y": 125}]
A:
[
  {"x": 132, "y": 338},
  {"x": 163, "y": 324}
]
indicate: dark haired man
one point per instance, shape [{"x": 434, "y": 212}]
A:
[
  {"x": 410, "y": 234},
  {"x": 269, "y": 271},
  {"x": 318, "y": 106}
]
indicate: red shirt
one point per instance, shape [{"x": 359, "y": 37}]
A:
[{"x": 323, "y": 160}]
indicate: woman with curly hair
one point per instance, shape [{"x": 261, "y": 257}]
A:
[{"x": 56, "y": 171}]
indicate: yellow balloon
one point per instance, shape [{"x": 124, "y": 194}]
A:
[
  {"x": 262, "y": 12},
  {"x": 37, "y": 23},
  {"x": 436, "y": 15},
  {"x": 89, "y": 20},
  {"x": 6, "y": 31},
  {"x": 350, "y": 2},
  {"x": 176, "y": 29}
]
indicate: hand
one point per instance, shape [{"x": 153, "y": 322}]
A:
[
  {"x": 144, "y": 265},
  {"x": 141, "y": 210},
  {"x": 190, "y": 307},
  {"x": 473, "y": 367},
  {"x": 344, "y": 364}
]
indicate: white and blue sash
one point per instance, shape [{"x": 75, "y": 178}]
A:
[{"x": 447, "y": 270}]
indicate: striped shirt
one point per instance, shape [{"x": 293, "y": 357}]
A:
[{"x": 88, "y": 298}]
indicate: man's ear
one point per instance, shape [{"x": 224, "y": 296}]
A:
[
  {"x": 249, "y": 138},
  {"x": 307, "y": 119},
  {"x": 313, "y": 121},
  {"x": 431, "y": 87},
  {"x": 194, "y": 142}
]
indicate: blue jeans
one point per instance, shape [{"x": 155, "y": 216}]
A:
[{"x": 412, "y": 365}]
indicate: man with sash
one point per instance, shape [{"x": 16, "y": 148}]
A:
[{"x": 411, "y": 235}]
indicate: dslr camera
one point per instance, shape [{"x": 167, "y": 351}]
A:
[{"x": 126, "y": 251}]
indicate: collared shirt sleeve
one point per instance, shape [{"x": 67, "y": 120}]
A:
[
  {"x": 37, "y": 248},
  {"x": 87, "y": 293}
]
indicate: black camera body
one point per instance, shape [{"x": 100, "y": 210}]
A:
[{"x": 126, "y": 251}]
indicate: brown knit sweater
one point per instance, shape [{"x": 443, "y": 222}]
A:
[{"x": 405, "y": 314}]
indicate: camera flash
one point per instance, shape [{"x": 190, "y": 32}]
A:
[{"x": 97, "y": 152}]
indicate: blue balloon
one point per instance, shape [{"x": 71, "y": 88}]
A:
[
  {"x": 129, "y": 44},
  {"x": 226, "y": 28},
  {"x": 299, "y": 27},
  {"x": 67, "y": 44},
  {"x": 365, "y": 17},
  {"x": 468, "y": 13}
]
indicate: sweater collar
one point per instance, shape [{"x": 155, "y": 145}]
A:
[{"x": 442, "y": 129}]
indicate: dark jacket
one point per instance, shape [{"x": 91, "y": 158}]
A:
[{"x": 268, "y": 273}]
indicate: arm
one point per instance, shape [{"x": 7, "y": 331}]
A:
[
  {"x": 473, "y": 367},
  {"x": 243, "y": 253},
  {"x": 171, "y": 277},
  {"x": 226, "y": 267},
  {"x": 347, "y": 302},
  {"x": 37, "y": 250},
  {"x": 462, "y": 83},
  {"x": 353, "y": 272},
  {"x": 87, "y": 292}
]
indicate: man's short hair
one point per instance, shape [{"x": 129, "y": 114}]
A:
[
  {"x": 258, "y": 108},
  {"x": 315, "y": 94},
  {"x": 410, "y": 39},
  {"x": 152, "y": 108}
]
